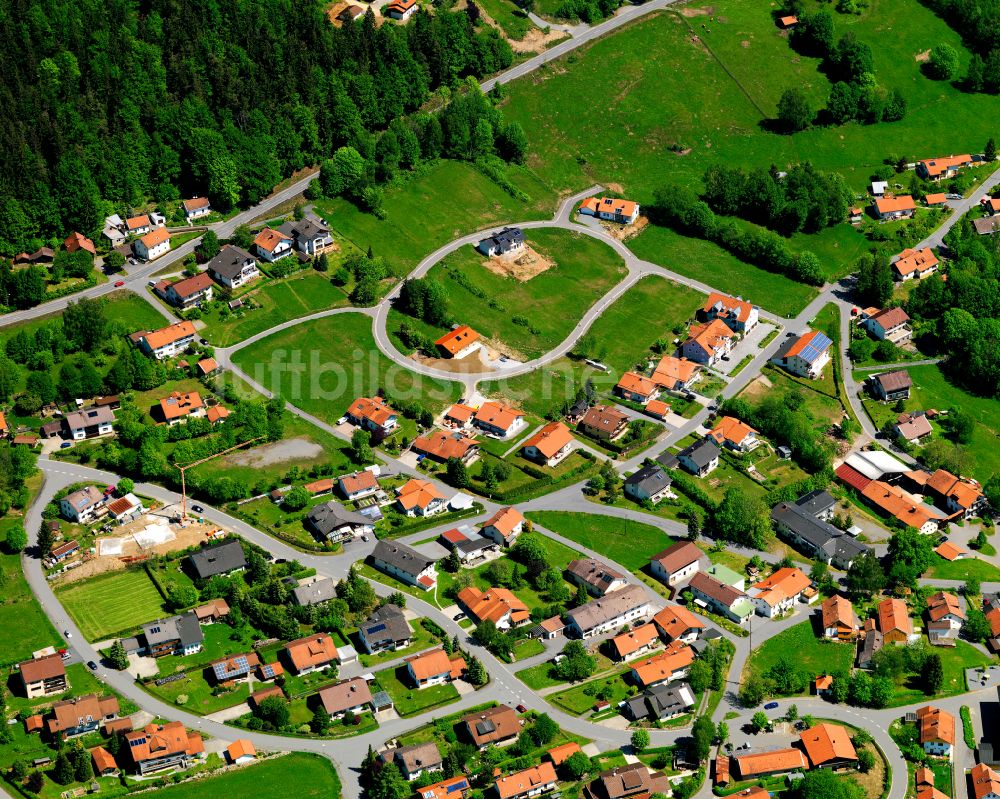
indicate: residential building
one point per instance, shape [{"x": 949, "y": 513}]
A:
[
  {"x": 77, "y": 241},
  {"x": 677, "y": 623},
  {"x": 985, "y": 782},
  {"x": 648, "y": 484},
  {"x": 913, "y": 264},
  {"x": 912, "y": 428},
  {"x": 419, "y": 497},
  {"x": 959, "y": 497},
  {"x": 658, "y": 409},
  {"x": 676, "y": 374},
  {"x": 320, "y": 590},
  {"x": 891, "y": 208},
  {"x": 196, "y": 207},
  {"x": 401, "y": 10},
  {"x": 720, "y": 598},
  {"x": 104, "y": 762},
  {"x": 308, "y": 236},
  {"x": 443, "y": 445},
  {"x": 358, "y": 485},
  {"x": 699, "y": 458},
  {"x": 240, "y": 752},
  {"x": 83, "y": 506},
  {"x": 561, "y": 753},
  {"x": 153, "y": 244},
  {"x": 814, "y": 536},
  {"x": 740, "y": 315},
  {"x": 937, "y": 731},
  {"x": 167, "y": 341},
  {"x": 60, "y": 553},
  {"x": 611, "y": 209},
  {"x": 951, "y": 551},
  {"x": 272, "y": 245},
  {"x": 893, "y": 620},
  {"x": 373, "y": 414},
  {"x": 43, "y": 676},
  {"x": 838, "y": 619},
  {"x": 805, "y": 356},
  {"x": 212, "y": 612},
  {"x": 496, "y": 419},
  {"x": 634, "y": 643},
  {"x": 766, "y": 764},
  {"x": 158, "y": 747},
  {"x": 891, "y": 386},
  {"x": 604, "y": 422},
  {"x": 508, "y": 241},
  {"x": 179, "y": 407},
  {"x": 891, "y": 325},
  {"x": 312, "y": 653},
  {"x": 504, "y": 526},
  {"x": 433, "y": 668},
  {"x": 81, "y": 715},
  {"x": 733, "y": 434},
  {"x": 607, "y": 613},
  {"x": 936, "y": 200},
  {"x": 529, "y": 782},
  {"x": 469, "y": 545},
  {"x": 125, "y": 509},
  {"x": 498, "y": 605},
  {"x": 459, "y": 415},
  {"x": 234, "y": 668},
  {"x": 778, "y": 593},
  {"x": 385, "y": 630},
  {"x": 894, "y": 501},
  {"x": 265, "y": 693},
  {"x": 207, "y": 366},
  {"x": 176, "y": 635},
  {"x": 89, "y": 423},
  {"x": 347, "y": 696},
  {"x": 678, "y": 563},
  {"x": 224, "y": 558},
  {"x": 187, "y": 293},
  {"x": 634, "y": 781},
  {"x": 707, "y": 343},
  {"x": 459, "y": 342},
  {"x": 334, "y": 522},
  {"x": 828, "y": 746},
  {"x": 661, "y": 702},
  {"x": 945, "y": 617},
  {"x": 598, "y": 578},
  {"x": 942, "y": 168},
  {"x": 233, "y": 267},
  {"x": 550, "y": 445},
  {"x": 635, "y": 387},
  {"x": 404, "y": 563},
  {"x": 493, "y": 726},
  {"x": 454, "y": 788},
  {"x": 415, "y": 760}
]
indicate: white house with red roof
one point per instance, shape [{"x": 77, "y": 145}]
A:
[
  {"x": 740, "y": 315},
  {"x": 196, "y": 208},
  {"x": 153, "y": 244},
  {"x": 610, "y": 209},
  {"x": 805, "y": 355},
  {"x": 272, "y": 245}
]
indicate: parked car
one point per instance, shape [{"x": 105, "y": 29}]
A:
[
  {"x": 770, "y": 706},
  {"x": 954, "y": 197},
  {"x": 458, "y": 617},
  {"x": 66, "y": 445},
  {"x": 119, "y": 284},
  {"x": 522, "y": 709},
  {"x": 91, "y": 665}
]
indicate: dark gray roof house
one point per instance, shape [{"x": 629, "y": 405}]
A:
[
  {"x": 598, "y": 577},
  {"x": 401, "y": 558},
  {"x": 385, "y": 628},
  {"x": 504, "y": 241},
  {"x": 230, "y": 262},
  {"x": 322, "y": 590},
  {"x": 817, "y": 503},
  {"x": 331, "y": 519},
  {"x": 661, "y": 702},
  {"x": 220, "y": 559},
  {"x": 649, "y": 481},
  {"x": 699, "y": 455},
  {"x": 818, "y": 537}
]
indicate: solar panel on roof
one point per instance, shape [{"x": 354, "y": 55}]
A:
[
  {"x": 814, "y": 348},
  {"x": 458, "y": 786},
  {"x": 377, "y": 628}
]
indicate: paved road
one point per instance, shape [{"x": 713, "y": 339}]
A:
[{"x": 960, "y": 209}]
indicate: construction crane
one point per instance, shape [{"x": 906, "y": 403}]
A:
[{"x": 183, "y": 469}]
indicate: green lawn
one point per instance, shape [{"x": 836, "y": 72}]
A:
[
  {"x": 962, "y": 569},
  {"x": 548, "y": 305},
  {"x": 810, "y": 654},
  {"x": 199, "y": 693},
  {"x": 323, "y": 365},
  {"x": 300, "y": 775},
  {"x": 539, "y": 677},
  {"x": 628, "y": 543},
  {"x": 20, "y": 611},
  {"x": 581, "y": 698},
  {"x": 955, "y": 661},
  {"x": 123, "y": 306},
  {"x": 621, "y": 338},
  {"x": 509, "y": 17},
  {"x": 443, "y": 202},
  {"x": 106, "y": 605},
  {"x": 301, "y": 294},
  {"x": 410, "y": 701}
]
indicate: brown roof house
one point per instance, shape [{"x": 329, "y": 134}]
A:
[
  {"x": 678, "y": 563},
  {"x": 604, "y": 422},
  {"x": 165, "y": 746},
  {"x": 44, "y": 676},
  {"x": 530, "y": 782},
  {"x": 839, "y": 620},
  {"x": 828, "y": 746},
  {"x": 496, "y": 725},
  {"x": 82, "y": 714},
  {"x": 598, "y": 578},
  {"x": 348, "y": 696},
  {"x": 937, "y": 731},
  {"x": 627, "y": 782},
  {"x": 894, "y": 621},
  {"x": 415, "y": 760}
]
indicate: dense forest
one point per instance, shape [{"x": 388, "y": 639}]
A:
[{"x": 110, "y": 104}]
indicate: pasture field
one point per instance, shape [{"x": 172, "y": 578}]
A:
[{"x": 113, "y": 603}]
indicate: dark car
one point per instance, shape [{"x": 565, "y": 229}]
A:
[
  {"x": 458, "y": 617},
  {"x": 66, "y": 445},
  {"x": 770, "y": 706},
  {"x": 197, "y": 508},
  {"x": 91, "y": 665}
]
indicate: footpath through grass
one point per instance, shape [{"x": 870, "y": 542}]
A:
[
  {"x": 628, "y": 543},
  {"x": 323, "y": 365}
]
